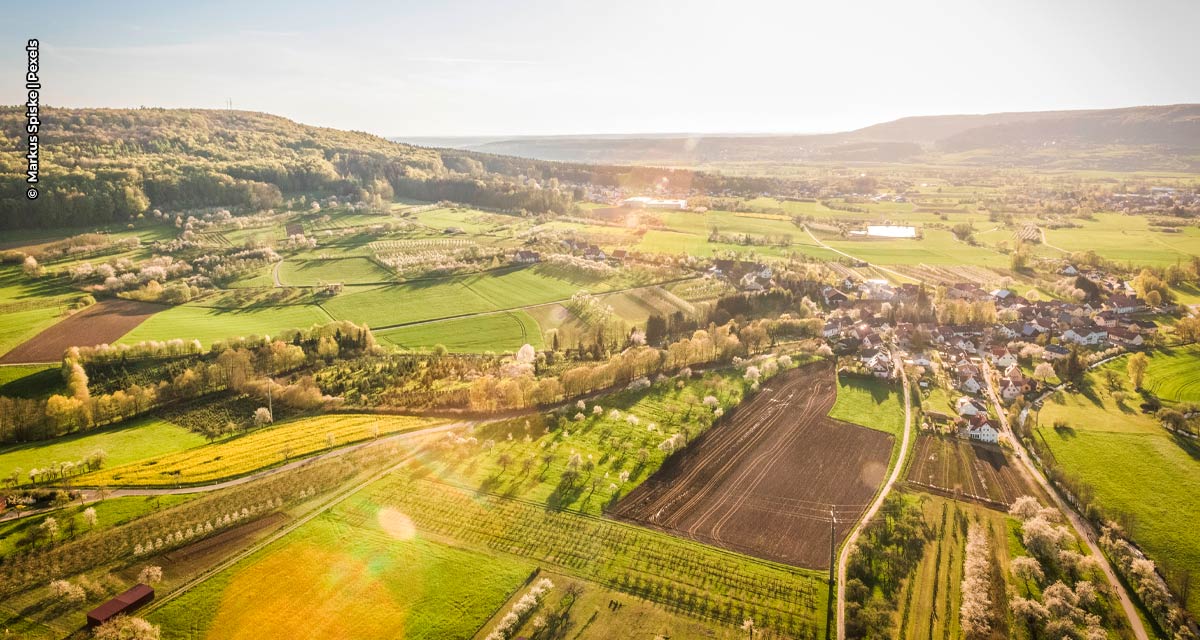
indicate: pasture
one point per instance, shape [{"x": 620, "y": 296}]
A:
[
  {"x": 439, "y": 298},
  {"x": 30, "y": 380},
  {"x": 378, "y": 578},
  {"x": 209, "y": 324},
  {"x": 1174, "y": 374},
  {"x": 496, "y": 332},
  {"x": 869, "y": 402},
  {"x": 353, "y": 270},
  {"x": 937, "y": 247},
  {"x": 124, "y": 443},
  {"x": 1123, "y": 238},
  {"x": 258, "y": 449},
  {"x": 1123, "y": 456}
]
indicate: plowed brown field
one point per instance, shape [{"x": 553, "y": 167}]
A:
[
  {"x": 766, "y": 481},
  {"x": 967, "y": 470},
  {"x": 103, "y": 322}
]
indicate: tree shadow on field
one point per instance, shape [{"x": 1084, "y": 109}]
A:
[
  {"x": 878, "y": 391},
  {"x": 1064, "y": 431},
  {"x": 566, "y": 493},
  {"x": 1189, "y": 445}
]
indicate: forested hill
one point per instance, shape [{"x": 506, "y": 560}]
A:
[
  {"x": 102, "y": 165},
  {"x": 105, "y": 165}
]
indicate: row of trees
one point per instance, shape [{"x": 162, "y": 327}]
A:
[{"x": 234, "y": 365}]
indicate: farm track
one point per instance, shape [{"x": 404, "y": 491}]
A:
[
  {"x": 90, "y": 494},
  {"x": 860, "y": 524},
  {"x": 770, "y": 481},
  {"x": 846, "y": 255}
]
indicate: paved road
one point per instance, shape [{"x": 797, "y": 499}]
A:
[
  {"x": 1082, "y": 527},
  {"x": 844, "y": 556}
]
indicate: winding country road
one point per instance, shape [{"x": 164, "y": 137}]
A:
[
  {"x": 844, "y": 556},
  {"x": 1082, "y": 527}
]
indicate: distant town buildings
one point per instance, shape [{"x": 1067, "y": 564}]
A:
[{"x": 646, "y": 202}]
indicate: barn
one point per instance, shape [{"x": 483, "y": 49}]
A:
[{"x": 126, "y": 602}]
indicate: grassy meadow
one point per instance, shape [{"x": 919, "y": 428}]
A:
[
  {"x": 209, "y": 324},
  {"x": 496, "y": 332},
  {"x": 362, "y": 580},
  {"x": 869, "y": 402},
  {"x": 1125, "y": 456},
  {"x": 132, "y": 441}
]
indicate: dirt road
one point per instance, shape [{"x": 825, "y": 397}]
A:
[{"x": 844, "y": 556}]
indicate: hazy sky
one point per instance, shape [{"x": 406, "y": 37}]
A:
[{"x": 462, "y": 67}]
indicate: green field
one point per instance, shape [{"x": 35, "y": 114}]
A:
[
  {"x": 938, "y": 247},
  {"x": 334, "y": 578},
  {"x": 30, "y": 380},
  {"x": 1126, "y": 457},
  {"x": 701, "y": 582},
  {"x": 869, "y": 402},
  {"x": 124, "y": 443},
  {"x": 18, "y": 326},
  {"x": 697, "y": 244},
  {"x": 1125, "y": 238},
  {"x": 209, "y": 324},
  {"x": 433, "y": 299},
  {"x": 109, "y": 513},
  {"x": 1174, "y": 374},
  {"x": 381, "y": 307},
  {"x": 345, "y": 270},
  {"x": 497, "y": 332},
  {"x": 258, "y": 449}
]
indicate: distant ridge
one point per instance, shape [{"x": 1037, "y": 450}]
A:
[{"x": 1149, "y": 137}]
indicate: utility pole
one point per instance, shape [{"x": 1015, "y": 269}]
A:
[{"x": 829, "y": 623}]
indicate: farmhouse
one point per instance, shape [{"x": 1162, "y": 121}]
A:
[
  {"x": 1055, "y": 352},
  {"x": 981, "y": 429},
  {"x": 968, "y": 407},
  {"x": 1086, "y": 336},
  {"x": 126, "y": 602},
  {"x": 1124, "y": 304},
  {"x": 1003, "y": 358},
  {"x": 1009, "y": 390},
  {"x": 527, "y": 257}
]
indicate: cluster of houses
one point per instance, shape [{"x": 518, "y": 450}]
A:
[
  {"x": 746, "y": 275},
  {"x": 855, "y": 326}
]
